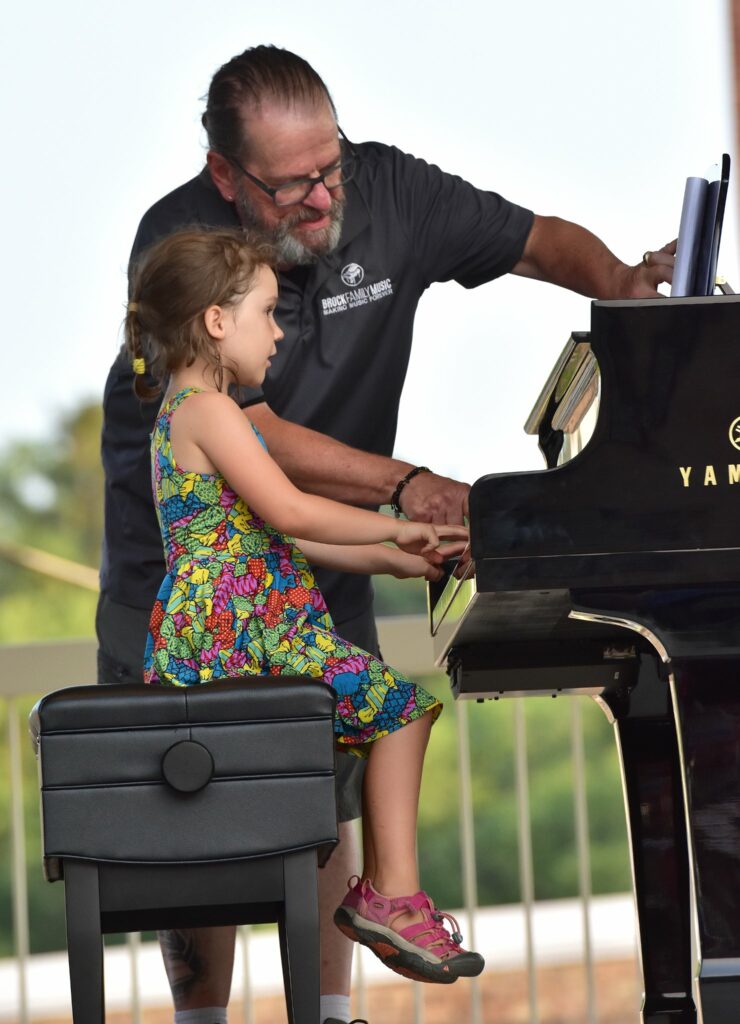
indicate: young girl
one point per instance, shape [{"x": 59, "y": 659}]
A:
[{"x": 239, "y": 596}]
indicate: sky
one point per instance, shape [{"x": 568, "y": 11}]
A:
[{"x": 595, "y": 112}]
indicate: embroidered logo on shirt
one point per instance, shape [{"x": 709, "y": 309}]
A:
[
  {"x": 357, "y": 296},
  {"x": 352, "y": 275}
]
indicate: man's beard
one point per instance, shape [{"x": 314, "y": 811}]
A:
[{"x": 290, "y": 251}]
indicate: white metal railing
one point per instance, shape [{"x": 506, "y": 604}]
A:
[
  {"x": 18, "y": 857},
  {"x": 37, "y": 668}
]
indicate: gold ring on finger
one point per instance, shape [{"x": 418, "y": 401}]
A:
[{"x": 646, "y": 257}]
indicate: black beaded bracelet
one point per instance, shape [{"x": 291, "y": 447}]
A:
[{"x": 396, "y": 499}]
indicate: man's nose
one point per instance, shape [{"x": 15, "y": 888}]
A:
[{"x": 319, "y": 198}]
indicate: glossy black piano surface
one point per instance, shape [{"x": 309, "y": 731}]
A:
[{"x": 617, "y": 574}]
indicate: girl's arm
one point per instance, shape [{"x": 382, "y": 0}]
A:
[
  {"x": 375, "y": 559},
  {"x": 217, "y": 427}
]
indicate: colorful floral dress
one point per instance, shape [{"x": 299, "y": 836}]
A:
[{"x": 240, "y": 599}]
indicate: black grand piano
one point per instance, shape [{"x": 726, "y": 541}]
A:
[{"x": 617, "y": 574}]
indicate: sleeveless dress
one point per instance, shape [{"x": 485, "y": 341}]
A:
[{"x": 239, "y": 598}]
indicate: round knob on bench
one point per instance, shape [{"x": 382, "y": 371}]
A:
[{"x": 188, "y": 766}]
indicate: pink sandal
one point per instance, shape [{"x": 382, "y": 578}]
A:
[{"x": 424, "y": 951}]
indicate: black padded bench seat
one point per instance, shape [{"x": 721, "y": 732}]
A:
[{"x": 186, "y": 806}]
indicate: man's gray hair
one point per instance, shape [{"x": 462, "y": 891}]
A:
[{"x": 260, "y": 72}]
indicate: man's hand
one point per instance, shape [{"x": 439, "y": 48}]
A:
[
  {"x": 656, "y": 267},
  {"x": 429, "y": 498}
]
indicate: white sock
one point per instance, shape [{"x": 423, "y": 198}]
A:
[
  {"x": 336, "y": 1007},
  {"x": 203, "y": 1015}
]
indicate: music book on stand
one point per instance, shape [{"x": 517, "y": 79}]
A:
[{"x": 700, "y": 231}]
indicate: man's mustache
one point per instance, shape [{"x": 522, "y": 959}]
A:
[{"x": 307, "y": 213}]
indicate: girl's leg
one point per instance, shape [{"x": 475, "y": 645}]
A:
[
  {"x": 393, "y": 774},
  {"x": 387, "y": 912},
  {"x": 368, "y": 847},
  {"x": 390, "y": 807}
]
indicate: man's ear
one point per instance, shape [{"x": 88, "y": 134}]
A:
[
  {"x": 222, "y": 174},
  {"x": 213, "y": 318}
]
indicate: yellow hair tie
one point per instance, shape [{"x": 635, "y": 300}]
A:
[
  {"x": 133, "y": 307},
  {"x": 139, "y": 366}
]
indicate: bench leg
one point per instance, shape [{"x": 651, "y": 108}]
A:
[
  {"x": 84, "y": 941},
  {"x": 299, "y": 938}
]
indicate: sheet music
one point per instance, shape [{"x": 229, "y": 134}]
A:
[
  {"x": 700, "y": 231},
  {"x": 689, "y": 236},
  {"x": 702, "y": 283}
]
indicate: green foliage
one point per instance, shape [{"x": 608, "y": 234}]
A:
[
  {"x": 552, "y": 815},
  {"x": 51, "y": 498},
  {"x": 51, "y": 492},
  {"x": 37, "y": 609},
  {"x": 399, "y": 597},
  {"x": 45, "y": 901}
]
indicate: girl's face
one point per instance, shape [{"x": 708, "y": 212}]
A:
[{"x": 251, "y": 332}]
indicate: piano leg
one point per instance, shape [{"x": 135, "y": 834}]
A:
[
  {"x": 651, "y": 773},
  {"x": 707, "y": 699}
]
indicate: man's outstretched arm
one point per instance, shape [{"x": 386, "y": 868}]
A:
[
  {"x": 568, "y": 255},
  {"x": 556, "y": 251},
  {"x": 321, "y": 465}
]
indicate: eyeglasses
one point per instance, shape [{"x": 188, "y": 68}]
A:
[{"x": 293, "y": 192}]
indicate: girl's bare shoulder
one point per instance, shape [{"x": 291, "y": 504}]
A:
[{"x": 210, "y": 402}]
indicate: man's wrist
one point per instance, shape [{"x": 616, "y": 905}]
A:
[
  {"x": 621, "y": 282},
  {"x": 396, "y": 497}
]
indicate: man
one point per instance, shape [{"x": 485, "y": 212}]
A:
[{"x": 361, "y": 231}]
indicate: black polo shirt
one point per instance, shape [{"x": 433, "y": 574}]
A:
[{"x": 348, "y": 323}]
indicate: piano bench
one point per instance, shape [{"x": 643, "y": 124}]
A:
[{"x": 176, "y": 807}]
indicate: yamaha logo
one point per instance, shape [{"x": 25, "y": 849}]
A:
[
  {"x": 353, "y": 274},
  {"x": 735, "y": 433},
  {"x": 713, "y": 475}
]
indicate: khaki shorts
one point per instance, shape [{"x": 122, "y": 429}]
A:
[{"x": 121, "y": 640}]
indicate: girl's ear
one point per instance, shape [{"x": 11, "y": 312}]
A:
[{"x": 213, "y": 319}]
